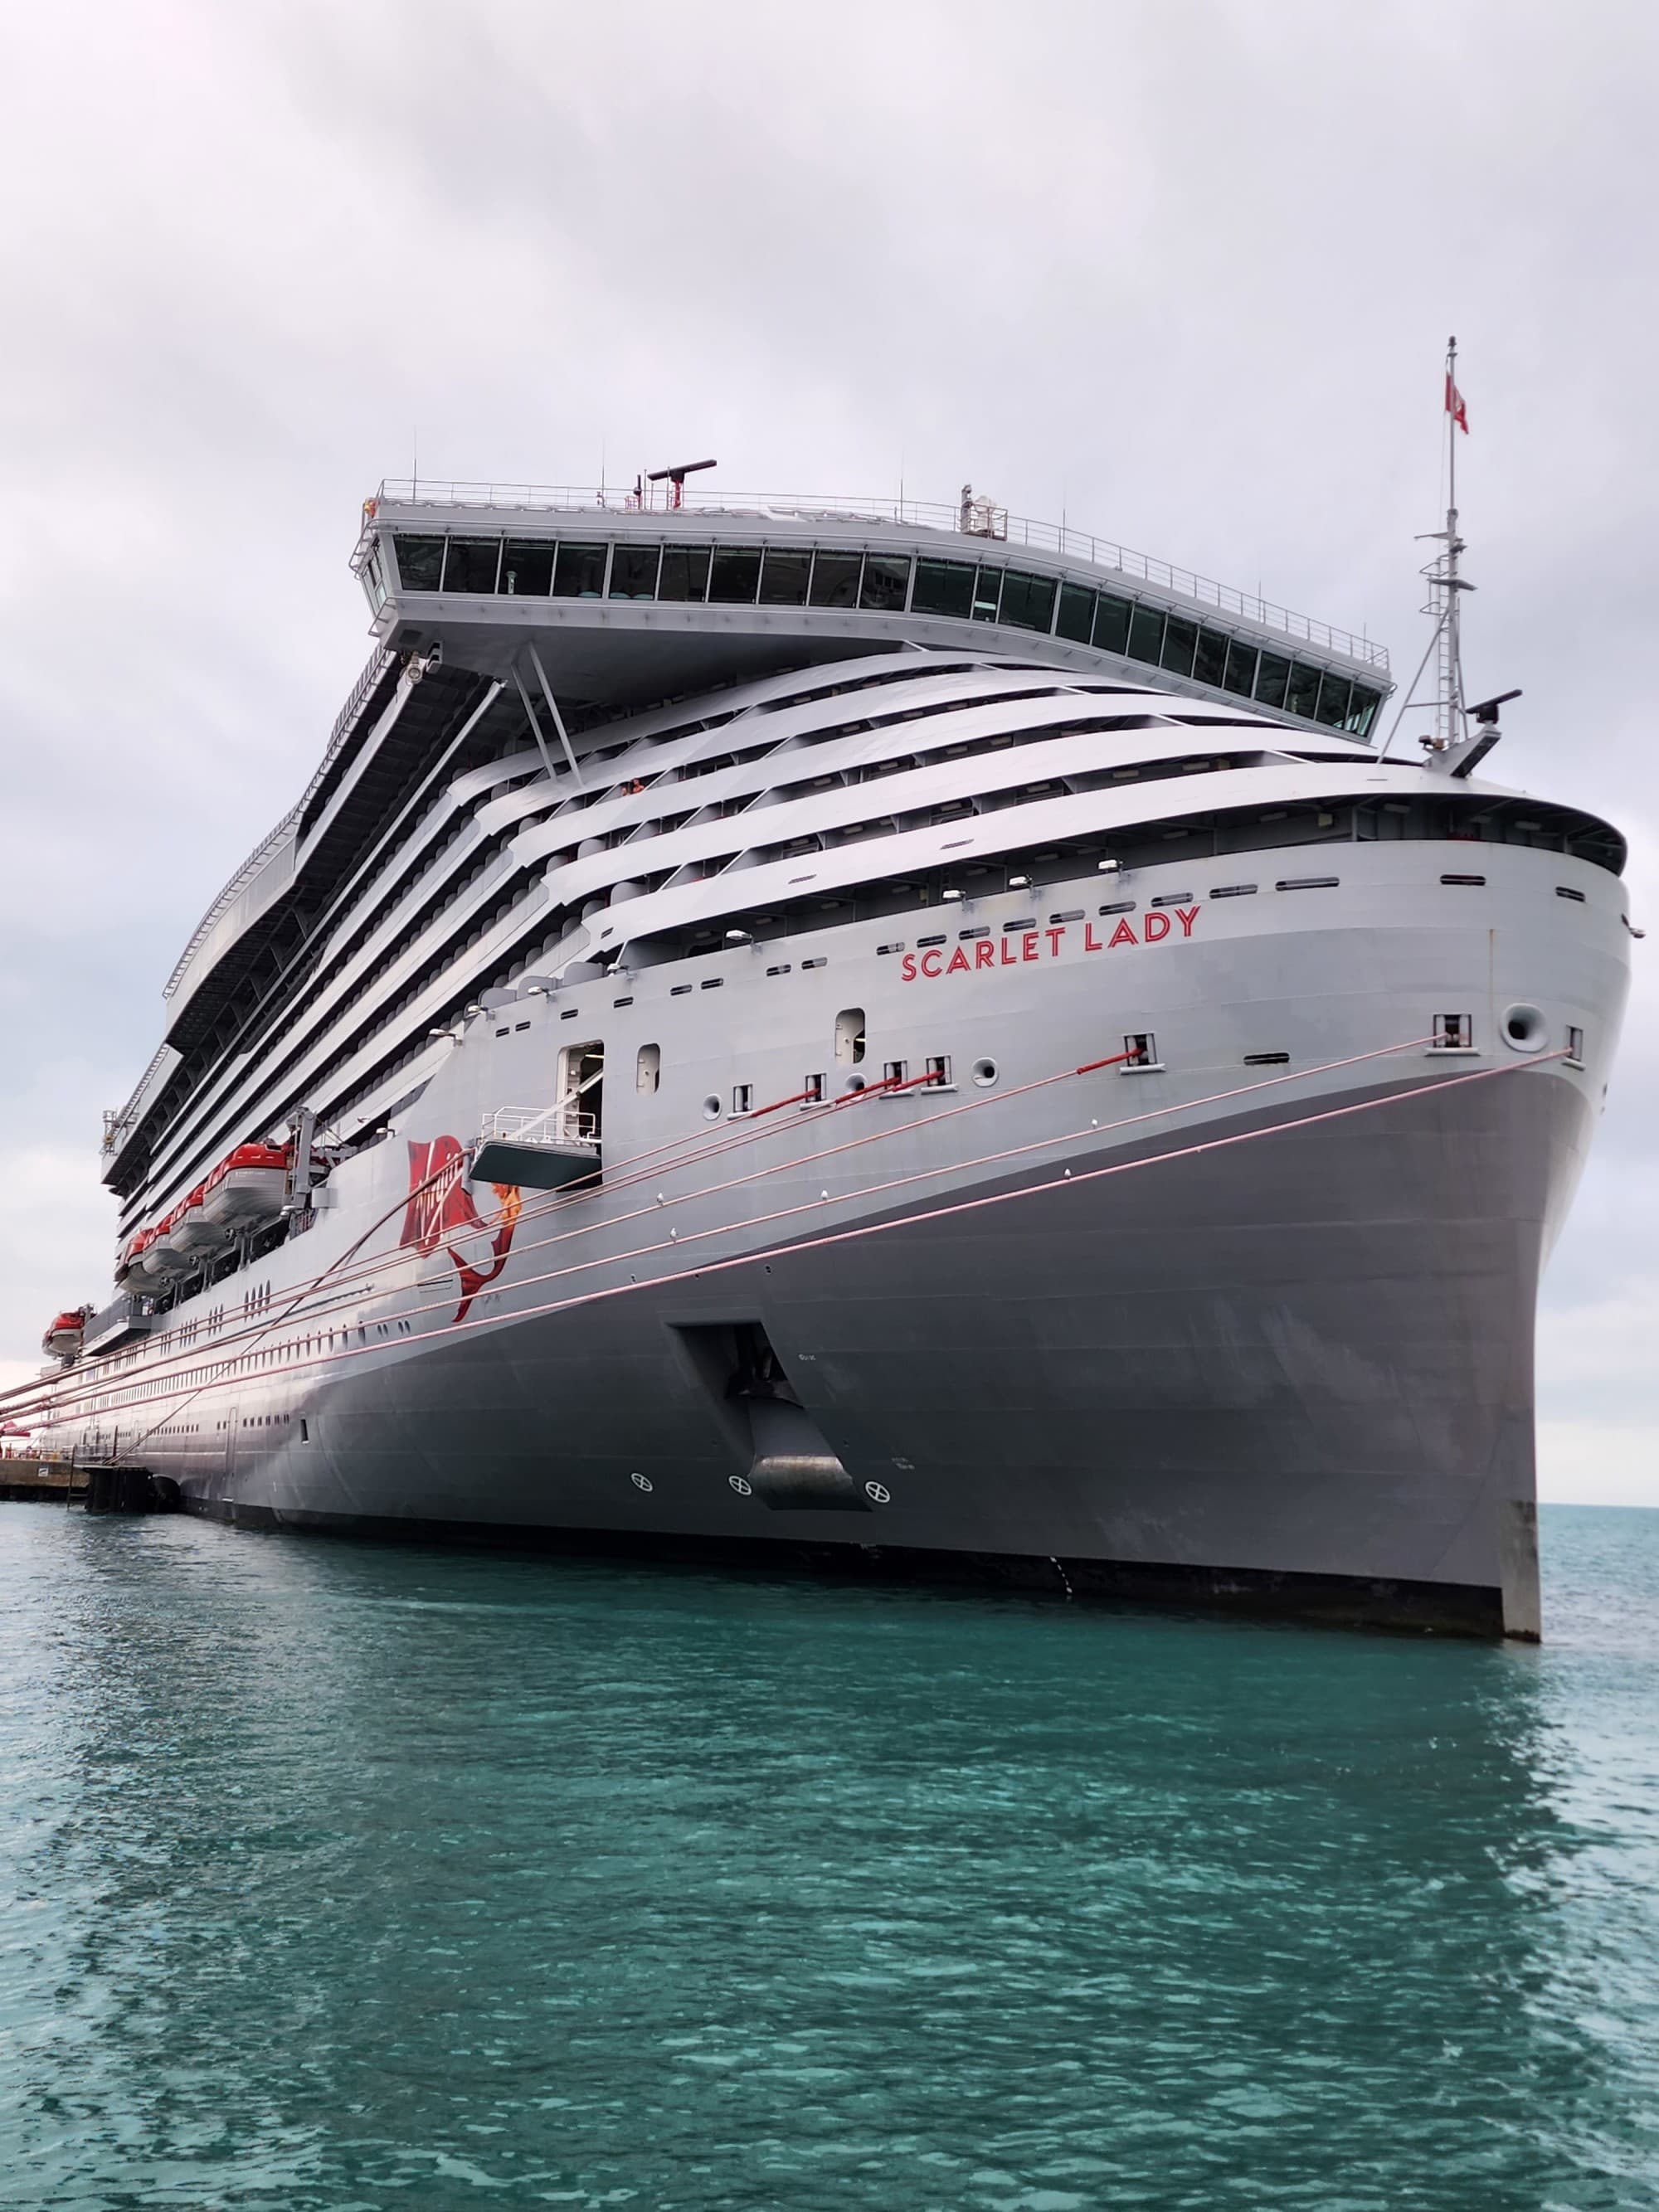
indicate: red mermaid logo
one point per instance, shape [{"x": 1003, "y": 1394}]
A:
[{"x": 440, "y": 1211}]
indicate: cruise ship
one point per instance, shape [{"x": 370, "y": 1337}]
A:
[{"x": 806, "y": 1031}]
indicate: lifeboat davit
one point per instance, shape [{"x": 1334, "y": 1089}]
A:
[
  {"x": 193, "y": 1234},
  {"x": 246, "y": 1191},
  {"x": 62, "y": 1341}
]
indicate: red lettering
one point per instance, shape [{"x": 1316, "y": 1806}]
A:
[
  {"x": 938, "y": 959},
  {"x": 1123, "y": 935},
  {"x": 1054, "y": 937},
  {"x": 1028, "y": 945},
  {"x": 1091, "y": 942},
  {"x": 1010, "y": 958},
  {"x": 1157, "y": 926},
  {"x": 985, "y": 954},
  {"x": 1187, "y": 915},
  {"x": 959, "y": 960},
  {"x": 907, "y": 968}
]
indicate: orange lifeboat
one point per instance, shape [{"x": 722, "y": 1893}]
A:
[
  {"x": 193, "y": 1234},
  {"x": 247, "y": 1190},
  {"x": 62, "y": 1341}
]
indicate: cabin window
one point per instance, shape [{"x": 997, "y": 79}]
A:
[
  {"x": 944, "y": 587},
  {"x": 835, "y": 579},
  {"x": 684, "y": 573},
  {"x": 784, "y": 578},
  {"x": 581, "y": 1091},
  {"x": 578, "y": 572},
  {"x": 1112, "y": 617},
  {"x": 849, "y": 1035},
  {"x": 887, "y": 582},
  {"x": 472, "y": 564},
  {"x": 648, "y": 1069},
  {"x": 734, "y": 575},
  {"x": 633, "y": 571},
  {"x": 420, "y": 562},
  {"x": 527, "y": 567}
]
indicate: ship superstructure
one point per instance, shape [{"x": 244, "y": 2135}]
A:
[{"x": 718, "y": 925}]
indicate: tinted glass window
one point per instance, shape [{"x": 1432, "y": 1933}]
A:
[
  {"x": 1179, "y": 643},
  {"x": 886, "y": 581},
  {"x": 988, "y": 592},
  {"x": 1271, "y": 679},
  {"x": 783, "y": 579},
  {"x": 1362, "y": 710},
  {"x": 1112, "y": 623},
  {"x": 633, "y": 571},
  {"x": 1027, "y": 602},
  {"x": 472, "y": 564},
  {"x": 684, "y": 572},
  {"x": 527, "y": 567},
  {"x": 1077, "y": 613},
  {"x": 1241, "y": 668},
  {"x": 735, "y": 574},
  {"x": 1146, "y": 634},
  {"x": 578, "y": 572},
  {"x": 1210, "y": 662},
  {"x": 835, "y": 579},
  {"x": 420, "y": 562},
  {"x": 1333, "y": 709},
  {"x": 944, "y": 587},
  {"x": 1303, "y": 695}
]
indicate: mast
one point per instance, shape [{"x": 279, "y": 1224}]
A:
[{"x": 1450, "y": 725}]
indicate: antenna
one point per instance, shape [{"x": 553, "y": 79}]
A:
[
  {"x": 1446, "y": 585},
  {"x": 677, "y": 476}
]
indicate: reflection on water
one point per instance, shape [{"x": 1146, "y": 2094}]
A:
[{"x": 350, "y": 1877}]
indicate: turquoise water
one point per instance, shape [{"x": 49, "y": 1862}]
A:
[{"x": 348, "y": 1877}]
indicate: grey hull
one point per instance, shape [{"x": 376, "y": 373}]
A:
[{"x": 1290, "y": 1373}]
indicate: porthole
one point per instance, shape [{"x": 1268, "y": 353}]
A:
[
  {"x": 985, "y": 1073},
  {"x": 1523, "y": 1028},
  {"x": 641, "y": 1482},
  {"x": 711, "y": 1108}
]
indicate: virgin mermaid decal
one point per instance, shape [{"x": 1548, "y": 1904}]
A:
[{"x": 440, "y": 1211}]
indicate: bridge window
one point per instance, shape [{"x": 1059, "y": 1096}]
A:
[
  {"x": 1303, "y": 695},
  {"x": 1210, "y": 659},
  {"x": 472, "y": 564},
  {"x": 1146, "y": 634},
  {"x": 1077, "y": 612},
  {"x": 1179, "y": 644},
  {"x": 886, "y": 583},
  {"x": 527, "y": 567},
  {"x": 1112, "y": 623},
  {"x": 1272, "y": 676},
  {"x": 1240, "y": 676},
  {"x": 784, "y": 578},
  {"x": 634, "y": 572},
  {"x": 735, "y": 575},
  {"x": 684, "y": 573},
  {"x": 1362, "y": 711},
  {"x": 988, "y": 592},
  {"x": 420, "y": 562},
  {"x": 835, "y": 579},
  {"x": 1332, "y": 709},
  {"x": 944, "y": 587},
  {"x": 579, "y": 572},
  {"x": 1027, "y": 602}
]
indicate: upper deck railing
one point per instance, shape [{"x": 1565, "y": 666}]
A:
[{"x": 973, "y": 518}]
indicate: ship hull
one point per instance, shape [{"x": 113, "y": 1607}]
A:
[{"x": 1254, "y": 1337}]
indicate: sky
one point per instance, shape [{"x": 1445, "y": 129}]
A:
[{"x": 1179, "y": 272}]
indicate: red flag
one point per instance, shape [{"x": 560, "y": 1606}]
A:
[{"x": 1454, "y": 406}]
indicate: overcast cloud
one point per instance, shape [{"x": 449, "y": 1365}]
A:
[{"x": 1181, "y": 272}]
